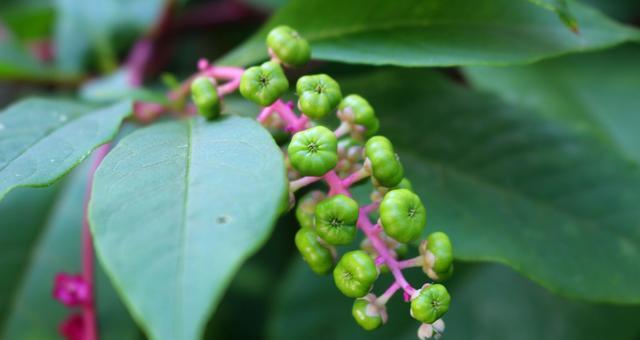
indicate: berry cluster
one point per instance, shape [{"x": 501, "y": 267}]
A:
[{"x": 342, "y": 158}]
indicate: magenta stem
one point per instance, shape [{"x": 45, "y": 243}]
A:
[
  {"x": 335, "y": 184},
  {"x": 414, "y": 262},
  {"x": 369, "y": 208},
  {"x": 384, "y": 298},
  {"x": 302, "y": 182},
  {"x": 89, "y": 309},
  {"x": 372, "y": 234},
  {"x": 356, "y": 176},
  {"x": 294, "y": 123}
]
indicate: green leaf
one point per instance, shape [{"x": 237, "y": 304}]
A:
[
  {"x": 41, "y": 236},
  {"x": 84, "y": 26},
  {"x": 177, "y": 207},
  {"x": 116, "y": 86},
  {"x": 42, "y": 139},
  {"x": 488, "y": 302},
  {"x": 514, "y": 188},
  {"x": 28, "y": 19},
  {"x": 595, "y": 94},
  {"x": 436, "y": 33},
  {"x": 561, "y": 9},
  {"x": 624, "y": 10}
]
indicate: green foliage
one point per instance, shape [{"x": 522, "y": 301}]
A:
[
  {"x": 436, "y": 33},
  {"x": 489, "y": 302},
  {"x": 594, "y": 94},
  {"x": 42, "y": 230},
  {"x": 176, "y": 209},
  {"x": 43, "y": 139},
  {"x": 526, "y": 183}
]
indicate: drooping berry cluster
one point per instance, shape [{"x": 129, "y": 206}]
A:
[{"x": 342, "y": 158}]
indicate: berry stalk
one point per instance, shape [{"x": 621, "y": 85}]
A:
[{"x": 89, "y": 308}]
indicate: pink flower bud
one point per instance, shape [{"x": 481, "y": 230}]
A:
[
  {"x": 71, "y": 290},
  {"x": 72, "y": 328}
]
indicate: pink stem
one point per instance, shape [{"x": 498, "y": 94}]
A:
[
  {"x": 265, "y": 113},
  {"x": 302, "y": 182},
  {"x": 355, "y": 177},
  {"x": 294, "y": 123},
  {"x": 384, "y": 298},
  {"x": 408, "y": 263},
  {"x": 89, "y": 309},
  {"x": 335, "y": 184},
  {"x": 370, "y": 231},
  {"x": 369, "y": 208}
]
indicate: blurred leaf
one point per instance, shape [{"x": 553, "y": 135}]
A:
[
  {"x": 83, "y": 26},
  {"x": 28, "y": 19},
  {"x": 435, "y": 33},
  {"x": 206, "y": 196},
  {"x": 561, "y": 8},
  {"x": 116, "y": 86},
  {"x": 514, "y": 188},
  {"x": 41, "y": 236},
  {"x": 269, "y": 5},
  {"x": 43, "y": 139},
  {"x": 625, "y": 10},
  {"x": 595, "y": 93},
  {"x": 488, "y": 302}
]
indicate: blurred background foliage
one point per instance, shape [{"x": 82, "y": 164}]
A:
[{"x": 523, "y": 142}]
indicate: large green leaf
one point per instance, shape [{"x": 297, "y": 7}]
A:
[
  {"x": 514, "y": 188},
  {"x": 41, "y": 236},
  {"x": 83, "y": 26},
  {"x": 489, "y": 302},
  {"x": 561, "y": 8},
  {"x": 28, "y": 19},
  {"x": 436, "y": 33},
  {"x": 177, "y": 207},
  {"x": 595, "y": 93},
  {"x": 42, "y": 139}
]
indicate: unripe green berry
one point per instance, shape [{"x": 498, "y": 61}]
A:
[
  {"x": 402, "y": 215},
  {"x": 306, "y": 209},
  {"x": 263, "y": 84},
  {"x": 438, "y": 256},
  {"x": 313, "y": 152},
  {"x": 355, "y": 274},
  {"x": 430, "y": 303},
  {"x": 318, "y": 95},
  {"x": 386, "y": 167},
  {"x": 318, "y": 256},
  {"x": 366, "y": 314},
  {"x": 204, "y": 94},
  {"x": 359, "y": 111},
  {"x": 336, "y": 219},
  {"x": 404, "y": 184},
  {"x": 289, "y": 46},
  {"x": 439, "y": 245}
]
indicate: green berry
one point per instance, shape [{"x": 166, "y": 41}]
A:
[
  {"x": 336, "y": 219},
  {"x": 306, "y": 209},
  {"x": 355, "y": 273},
  {"x": 204, "y": 94},
  {"x": 289, "y": 46},
  {"x": 439, "y": 245},
  {"x": 367, "y": 315},
  {"x": 430, "y": 303},
  {"x": 404, "y": 184},
  {"x": 402, "y": 215},
  {"x": 386, "y": 167},
  {"x": 318, "y": 95},
  {"x": 438, "y": 256},
  {"x": 318, "y": 256},
  {"x": 360, "y": 112},
  {"x": 264, "y": 84},
  {"x": 313, "y": 152}
]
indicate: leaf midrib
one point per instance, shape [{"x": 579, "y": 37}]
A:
[{"x": 183, "y": 225}]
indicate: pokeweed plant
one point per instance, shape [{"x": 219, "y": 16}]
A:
[{"x": 538, "y": 172}]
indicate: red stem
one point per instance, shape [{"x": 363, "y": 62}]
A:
[{"x": 89, "y": 309}]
